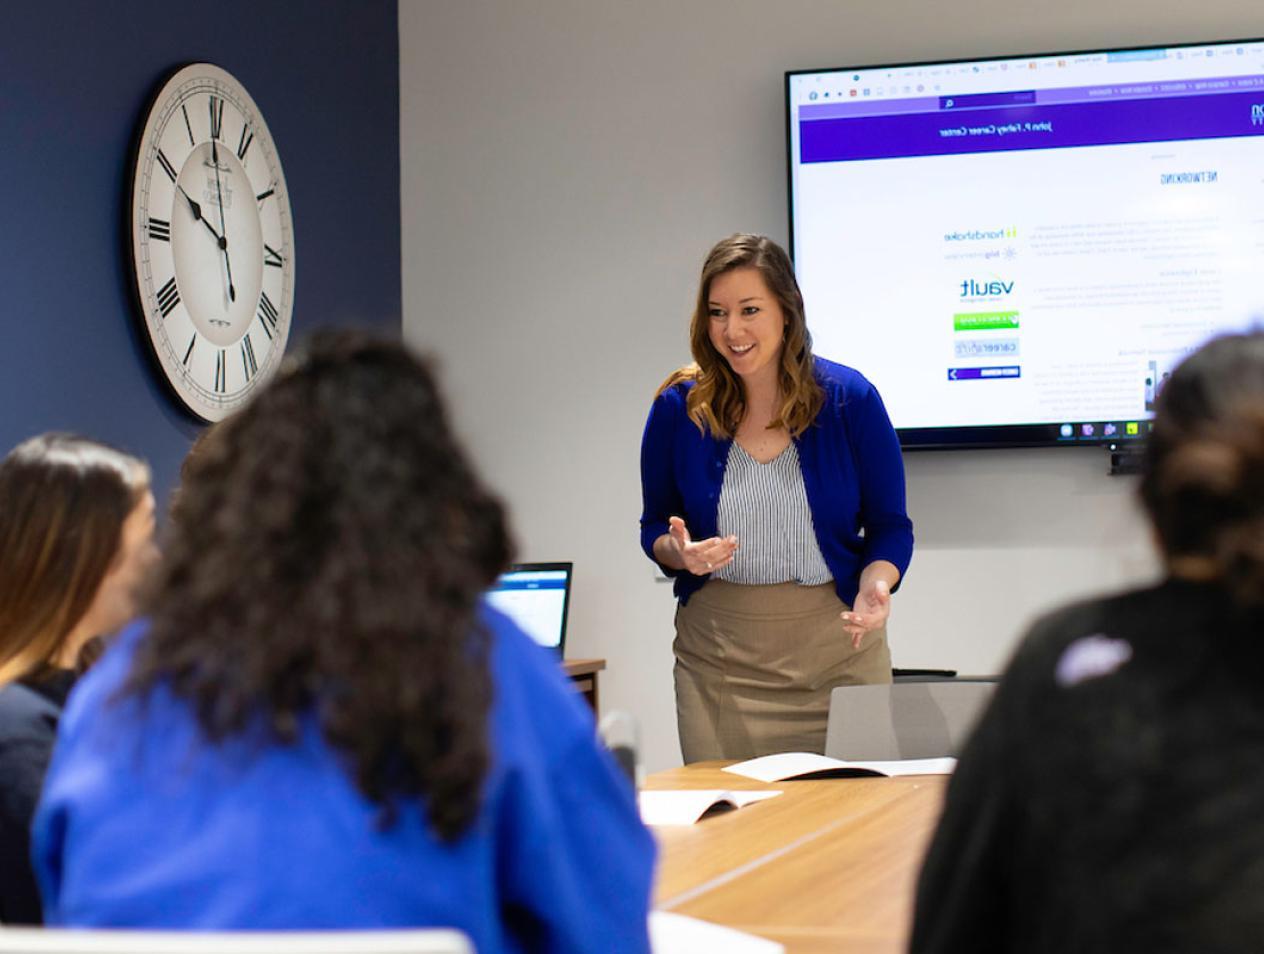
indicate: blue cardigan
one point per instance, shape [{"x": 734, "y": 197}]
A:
[
  {"x": 852, "y": 471},
  {"x": 143, "y": 823}
]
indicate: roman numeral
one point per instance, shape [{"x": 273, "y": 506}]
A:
[
  {"x": 271, "y": 256},
  {"x": 159, "y": 230},
  {"x": 216, "y": 106},
  {"x": 188, "y": 125},
  {"x": 221, "y": 384},
  {"x": 188, "y": 353},
  {"x": 167, "y": 167},
  {"x": 243, "y": 146},
  {"x": 267, "y": 315},
  {"x": 263, "y": 195},
  {"x": 248, "y": 358},
  {"x": 168, "y": 297}
]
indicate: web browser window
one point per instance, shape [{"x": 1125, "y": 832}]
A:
[{"x": 1029, "y": 241}]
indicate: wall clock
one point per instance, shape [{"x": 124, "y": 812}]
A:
[{"x": 212, "y": 241}]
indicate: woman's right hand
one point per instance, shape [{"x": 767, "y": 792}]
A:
[{"x": 701, "y": 557}]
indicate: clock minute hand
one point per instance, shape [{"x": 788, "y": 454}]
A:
[{"x": 223, "y": 237}]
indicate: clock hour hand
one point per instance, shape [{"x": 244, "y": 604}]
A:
[
  {"x": 223, "y": 238},
  {"x": 197, "y": 216}
]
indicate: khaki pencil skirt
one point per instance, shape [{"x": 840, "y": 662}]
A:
[{"x": 755, "y": 666}]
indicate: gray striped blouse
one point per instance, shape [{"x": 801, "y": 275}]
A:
[{"x": 766, "y": 507}]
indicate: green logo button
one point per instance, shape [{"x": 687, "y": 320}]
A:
[{"x": 985, "y": 320}]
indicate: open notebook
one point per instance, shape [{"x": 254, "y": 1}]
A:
[
  {"x": 686, "y": 806},
  {"x": 807, "y": 765},
  {"x": 676, "y": 934}
]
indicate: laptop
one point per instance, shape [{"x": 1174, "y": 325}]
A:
[{"x": 536, "y": 596}]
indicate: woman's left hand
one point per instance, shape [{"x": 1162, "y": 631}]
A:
[{"x": 869, "y": 612}]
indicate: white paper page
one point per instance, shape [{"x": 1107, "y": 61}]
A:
[
  {"x": 677, "y": 934},
  {"x": 774, "y": 768},
  {"x": 684, "y": 807},
  {"x": 898, "y": 767}
]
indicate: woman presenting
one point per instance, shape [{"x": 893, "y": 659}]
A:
[{"x": 773, "y": 493}]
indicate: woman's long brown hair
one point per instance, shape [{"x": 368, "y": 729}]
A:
[
  {"x": 717, "y": 400},
  {"x": 63, "y": 502}
]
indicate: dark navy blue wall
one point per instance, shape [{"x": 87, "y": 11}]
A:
[{"x": 75, "y": 79}]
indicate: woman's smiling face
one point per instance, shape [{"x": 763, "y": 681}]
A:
[{"x": 747, "y": 324}]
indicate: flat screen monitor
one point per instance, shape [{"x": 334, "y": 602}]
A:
[
  {"x": 1017, "y": 251},
  {"x": 536, "y": 596}
]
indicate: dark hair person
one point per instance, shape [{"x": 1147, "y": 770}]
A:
[
  {"x": 1112, "y": 797},
  {"x": 321, "y": 725},
  {"x": 76, "y": 537},
  {"x": 773, "y": 492}
]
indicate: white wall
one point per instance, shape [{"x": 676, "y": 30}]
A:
[{"x": 565, "y": 166}]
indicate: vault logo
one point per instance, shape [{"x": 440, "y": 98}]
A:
[{"x": 973, "y": 288}]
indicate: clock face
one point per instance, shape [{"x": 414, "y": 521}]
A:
[{"x": 212, "y": 241}]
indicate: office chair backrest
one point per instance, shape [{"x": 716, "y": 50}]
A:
[
  {"x": 57, "y": 941},
  {"x": 620, "y": 733},
  {"x": 904, "y": 720}
]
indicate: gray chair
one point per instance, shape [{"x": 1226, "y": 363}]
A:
[
  {"x": 57, "y": 941},
  {"x": 904, "y": 720}
]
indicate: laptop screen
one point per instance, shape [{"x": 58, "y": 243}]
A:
[{"x": 536, "y": 596}]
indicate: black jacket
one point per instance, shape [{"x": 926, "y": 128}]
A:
[
  {"x": 1112, "y": 797},
  {"x": 28, "y": 727}
]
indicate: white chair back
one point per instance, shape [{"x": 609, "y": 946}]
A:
[{"x": 15, "y": 940}]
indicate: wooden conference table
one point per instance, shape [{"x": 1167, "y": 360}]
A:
[{"x": 827, "y": 866}]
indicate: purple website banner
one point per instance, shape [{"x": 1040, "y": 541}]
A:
[{"x": 1053, "y": 126}]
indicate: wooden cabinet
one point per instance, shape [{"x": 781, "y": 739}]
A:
[{"x": 583, "y": 673}]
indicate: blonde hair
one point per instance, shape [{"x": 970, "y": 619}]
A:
[
  {"x": 717, "y": 400},
  {"x": 63, "y": 501}
]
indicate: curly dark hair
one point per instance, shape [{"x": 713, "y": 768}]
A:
[
  {"x": 1203, "y": 484},
  {"x": 327, "y": 554}
]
